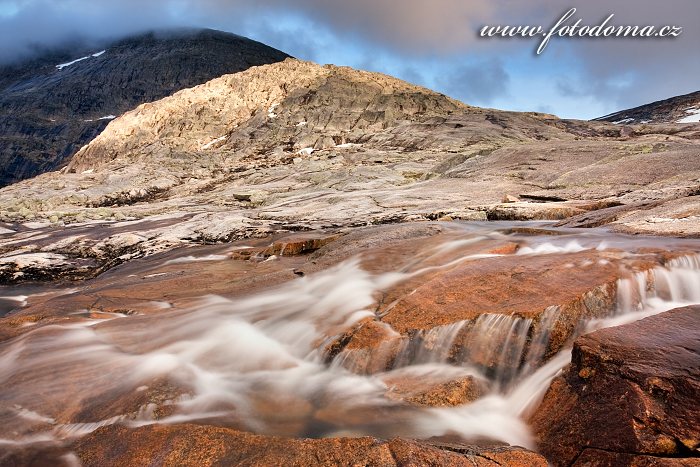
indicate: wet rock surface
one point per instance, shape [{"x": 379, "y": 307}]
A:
[
  {"x": 631, "y": 391},
  {"x": 410, "y": 365},
  {"x": 198, "y": 445},
  {"x": 599, "y": 458}
]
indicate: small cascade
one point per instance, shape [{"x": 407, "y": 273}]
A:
[
  {"x": 430, "y": 346},
  {"x": 496, "y": 343},
  {"x": 372, "y": 360},
  {"x": 539, "y": 342},
  {"x": 631, "y": 293},
  {"x": 676, "y": 282}
]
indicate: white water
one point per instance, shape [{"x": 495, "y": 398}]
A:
[
  {"x": 194, "y": 259},
  {"x": 259, "y": 362}
]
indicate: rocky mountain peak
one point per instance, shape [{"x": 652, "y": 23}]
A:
[
  {"x": 288, "y": 107},
  {"x": 53, "y": 103}
]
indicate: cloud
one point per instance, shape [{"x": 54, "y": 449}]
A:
[
  {"x": 477, "y": 83},
  {"x": 615, "y": 72}
]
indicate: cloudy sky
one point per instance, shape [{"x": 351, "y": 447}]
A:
[{"x": 434, "y": 43}]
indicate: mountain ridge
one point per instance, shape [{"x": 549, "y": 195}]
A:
[
  {"x": 55, "y": 103},
  {"x": 684, "y": 108}
]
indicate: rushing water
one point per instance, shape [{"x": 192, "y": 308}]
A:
[{"x": 260, "y": 362}]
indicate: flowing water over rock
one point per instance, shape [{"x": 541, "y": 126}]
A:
[{"x": 284, "y": 359}]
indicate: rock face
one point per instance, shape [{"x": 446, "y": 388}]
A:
[
  {"x": 308, "y": 146},
  {"x": 49, "y": 109},
  {"x": 198, "y": 445},
  {"x": 679, "y": 109},
  {"x": 631, "y": 391}
]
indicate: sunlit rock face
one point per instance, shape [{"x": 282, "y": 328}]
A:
[{"x": 54, "y": 103}]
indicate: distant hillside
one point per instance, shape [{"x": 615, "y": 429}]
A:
[{"x": 679, "y": 109}]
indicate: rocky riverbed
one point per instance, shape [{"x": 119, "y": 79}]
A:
[
  {"x": 441, "y": 336},
  {"x": 302, "y": 264}
]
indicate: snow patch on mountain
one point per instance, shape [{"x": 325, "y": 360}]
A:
[
  {"x": 63, "y": 65},
  {"x": 694, "y": 116},
  {"x": 623, "y": 121}
]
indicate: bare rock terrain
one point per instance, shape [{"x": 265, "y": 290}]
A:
[
  {"x": 298, "y": 146},
  {"x": 312, "y": 218}
]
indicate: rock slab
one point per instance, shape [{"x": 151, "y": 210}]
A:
[{"x": 631, "y": 391}]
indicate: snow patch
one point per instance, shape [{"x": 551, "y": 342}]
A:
[
  {"x": 694, "y": 116},
  {"x": 302, "y": 124},
  {"x": 623, "y": 121},
  {"x": 106, "y": 117},
  {"x": 306, "y": 151},
  {"x": 271, "y": 111},
  {"x": 63, "y": 65}
]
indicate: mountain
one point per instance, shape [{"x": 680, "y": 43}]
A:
[
  {"x": 305, "y": 146},
  {"x": 54, "y": 103},
  {"x": 679, "y": 109}
]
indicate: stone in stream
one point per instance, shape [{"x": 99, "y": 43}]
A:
[
  {"x": 631, "y": 391},
  {"x": 299, "y": 243},
  {"x": 427, "y": 393}
]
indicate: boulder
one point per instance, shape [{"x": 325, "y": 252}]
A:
[
  {"x": 600, "y": 458},
  {"x": 299, "y": 243},
  {"x": 426, "y": 393},
  {"x": 630, "y": 390}
]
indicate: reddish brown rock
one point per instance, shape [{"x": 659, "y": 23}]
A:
[
  {"x": 507, "y": 249},
  {"x": 599, "y": 458},
  {"x": 630, "y": 389},
  {"x": 299, "y": 243},
  {"x": 582, "y": 285},
  {"x": 370, "y": 347},
  {"x": 419, "y": 392},
  {"x": 524, "y": 211},
  {"x": 199, "y": 445}
]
